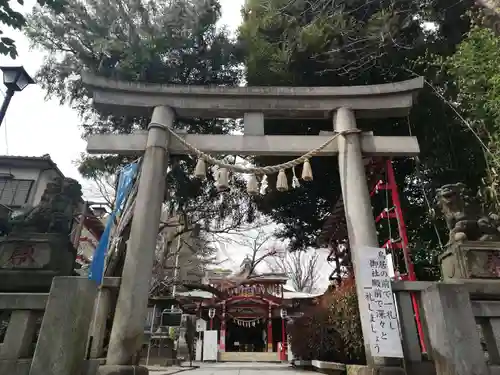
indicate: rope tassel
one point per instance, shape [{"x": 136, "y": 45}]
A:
[
  {"x": 222, "y": 179},
  {"x": 282, "y": 182},
  {"x": 307, "y": 174},
  {"x": 263, "y": 185},
  {"x": 252, "y": 185},
  {"x": 200, "y": 170},
  {"x": 295, "y": 180}
]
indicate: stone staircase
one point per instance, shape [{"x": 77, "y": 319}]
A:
[{"x": 249, "y": 357}]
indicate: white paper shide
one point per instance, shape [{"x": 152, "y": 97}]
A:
[{"x": 384, "y": 337}]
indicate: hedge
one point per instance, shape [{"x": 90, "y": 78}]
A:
[{"x": 331, "y": 330}]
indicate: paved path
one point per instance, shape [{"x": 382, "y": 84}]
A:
[{"x": 232, "y": 369}]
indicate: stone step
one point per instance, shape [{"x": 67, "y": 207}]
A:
[{"x": 249, "y": 357}]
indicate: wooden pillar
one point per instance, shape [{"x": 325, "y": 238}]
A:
[
  {"x": 222, "y": 343},
  {"x": 270, "y": 330}
]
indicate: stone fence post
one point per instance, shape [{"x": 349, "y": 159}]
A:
[
  {"x": 61, "y": 345},
  {"x": 453, "y": 336}
]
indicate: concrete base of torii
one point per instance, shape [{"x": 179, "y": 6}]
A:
[{"x": 122, "y": 370}]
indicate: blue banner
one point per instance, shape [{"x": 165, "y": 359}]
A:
[{"x": 125, "y": 183}]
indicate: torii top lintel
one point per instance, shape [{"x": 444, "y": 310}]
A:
[{"x": 384, "y": 100}]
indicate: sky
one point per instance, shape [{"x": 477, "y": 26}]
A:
[{"x": 34, "y": 126}]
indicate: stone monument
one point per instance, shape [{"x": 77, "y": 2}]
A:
[
  {"x": 473, "y": 248},
  {"x": 35, "y": 245}
]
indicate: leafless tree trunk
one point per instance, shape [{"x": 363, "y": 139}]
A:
[
  {"x": 182, "y": 256},
  {"x": 301, "y": 268},
  {"x": 259, "y": 248}
]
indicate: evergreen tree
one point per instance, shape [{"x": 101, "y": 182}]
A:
[
  {"x": 339, "y": 43},
  {"x": 17, "y": 21},
  {"x": 172, "y": 42}
]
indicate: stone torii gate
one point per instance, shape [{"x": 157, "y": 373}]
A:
[{"x": 341, "y": 104}]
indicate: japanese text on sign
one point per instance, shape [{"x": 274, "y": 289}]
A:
[{"x": 380, "y": 311}]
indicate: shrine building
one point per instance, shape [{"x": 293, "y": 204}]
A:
[{"x": 248, "y": 311}]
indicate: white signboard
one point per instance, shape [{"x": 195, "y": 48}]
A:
[
  {"x": 210, "y": 348},
  {"x": 201, "y": 325},
  {"x": 380, "y": 310}
]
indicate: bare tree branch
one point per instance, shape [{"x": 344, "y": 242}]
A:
[
  {"x": 301, "y": 268},
  {"x": 102, "y": 187}
]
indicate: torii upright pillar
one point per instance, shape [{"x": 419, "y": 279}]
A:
[
  {"x": 356, "y": 196},
  {"x": 127, "y": 334}
]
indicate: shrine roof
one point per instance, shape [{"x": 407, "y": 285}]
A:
[
  {"x": 286, "y": 294},
  {"x": 138, "y": 98},
  {"x": 255, "y": 278},
  {"x": 196, "y": 294},
  {"x": 299, "y": 295}
]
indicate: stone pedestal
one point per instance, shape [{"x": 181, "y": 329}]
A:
[
  {"x": 471, "y": 260},
  {"x": 29, "y": 261}
]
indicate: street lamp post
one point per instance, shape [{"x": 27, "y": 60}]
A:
[{"x": 15, "y": 78}]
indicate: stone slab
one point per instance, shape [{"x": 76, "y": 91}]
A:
[
  {"x": 365, "y": 370},
  {"x": 122, "y": 370},
  {"x": 420, "y": 368},
  {"x": 229, "y": 368},
  {"x": 301, "y": 363},
  {"x": 15, "y": 367},
  {"x": 61, "y": 346},
  {"x": 157, "y": 370},
  {"x": 23, "y": 301}
]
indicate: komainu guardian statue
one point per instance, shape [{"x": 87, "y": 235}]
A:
[
  {"x": 464, "y": 217},
  {"x": 35, "y": 245},
  {"x": 54, "y": 213}
]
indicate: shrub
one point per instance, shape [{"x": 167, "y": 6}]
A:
[
  {"x": 311, "y": 338},
  {"x": 330, "y": 331},
  {"x": 344, "y": 317}
]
